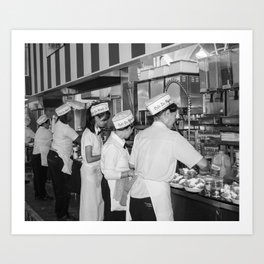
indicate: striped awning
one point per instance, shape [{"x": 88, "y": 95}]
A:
[{"x": 72, "y": 65}]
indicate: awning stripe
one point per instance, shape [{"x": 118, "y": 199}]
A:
[
  {"x": 41, "y": 67},
  {"x": 38, "y": 69},
  {"x": 67, "y": 63},
  {"x": 57, "y": 66},
  {"x": 35, "y": 69},
  {"x": 95, "y": 57},
  {"x": 62, "y": 64},
  {"x": 79, "y": 53}
]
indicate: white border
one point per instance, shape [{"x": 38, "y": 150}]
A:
[{"x": 20, "y": 37}]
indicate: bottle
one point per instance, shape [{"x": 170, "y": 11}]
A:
[{"x": 221, "y": 164}]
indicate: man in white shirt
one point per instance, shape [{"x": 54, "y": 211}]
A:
[
  {"x": 115, "y": 166},
  {"x": 60, "y": 162},
  {"x": 42, "y": 143},
  {"x": 154, "y": 155}
]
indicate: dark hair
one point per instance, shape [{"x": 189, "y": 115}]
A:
[
  {"x": 63, "y": 118},
  {"x": 90, "y": 120},
  {"x": 45, "y": 122},
  {"x": 172, "y": 107}
]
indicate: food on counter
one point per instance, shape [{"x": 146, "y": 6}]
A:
[
  {"x": 178, "y": 181},
  {"x": 195, "y": 183},
  {"x": 226, "y": 192},
  {"x": 188, "y": 172},
  {"x": 231, "y": 193}
]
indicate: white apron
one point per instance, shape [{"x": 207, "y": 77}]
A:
[
  {"x": 160, "y": 194},
  {"x": 91, "y": 200}
]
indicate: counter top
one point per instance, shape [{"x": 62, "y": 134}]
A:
[{"x": 207, "y": 200}]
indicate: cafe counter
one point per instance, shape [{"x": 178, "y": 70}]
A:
[{"x": 196, "y": 207}]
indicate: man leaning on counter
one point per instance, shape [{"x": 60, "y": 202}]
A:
[{"x": 154, "y": 156}]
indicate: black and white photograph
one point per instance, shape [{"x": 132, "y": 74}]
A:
[
  {"x": 131, "y": 132},
  {"x": 134, "y": 132}
]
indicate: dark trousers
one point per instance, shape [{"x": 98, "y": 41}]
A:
[
  {"x": 40, "y": 176},
  {"x": 60, "y": 183},
  {"x": 118, "y": 216},
  {"x": 107, "y": 199},
  {"x": 142, "y": 209}
]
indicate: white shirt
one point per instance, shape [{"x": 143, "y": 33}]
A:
[
  {"x": 29, "y": 134},
  {"x": 91, "y": 139},
  {"x": 114, "y": 160},
  {"x": 42, "y": 143},
  {"x": 63, "y": 137},
  {"x": 155, "y": 153}
]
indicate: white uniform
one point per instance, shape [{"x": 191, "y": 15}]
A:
[
  {"x": 42, "y": 143},
  {"x": 91, "y": 200},
  {"x": 114, "y": 160},
  {"x": 154, "y": 154},
  {"x": 63, "y": 137},
  {"x": 29, "y": 134}
]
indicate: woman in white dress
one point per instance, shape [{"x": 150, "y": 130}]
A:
[{"x": 91, "y": 200}]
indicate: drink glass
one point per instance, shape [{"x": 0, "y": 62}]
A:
[
  {"x": 208, "y": 187},
  {"x": 217, "y": 185}
]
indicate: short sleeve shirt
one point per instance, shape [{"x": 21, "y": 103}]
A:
[
  {"x": 93, "y": 140},
  {"x": 63, "y": 137},
  {"x": 156, "y": 151},
  {"x": 43, "y": 138},
  {"x": 114, "y": 158},
  {"x": 29, "y": 134}
]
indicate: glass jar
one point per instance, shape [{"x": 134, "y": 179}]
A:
[
  {"x": 208, "y": 186},
  {"x": 217, "y": 185}
]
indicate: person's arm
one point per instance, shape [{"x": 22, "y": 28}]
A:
[
  {"x": 126, "y": 174},
  {"x": 89, "y": 156},
  {"x": 203, "y": 164}
]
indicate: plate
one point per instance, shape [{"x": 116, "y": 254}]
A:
[
  {"x": 235, "y": 201},
  {"x": 193, "y": 190},
  {"x": 176, "y": 185}
]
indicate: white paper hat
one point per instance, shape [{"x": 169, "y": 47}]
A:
[
  {"x": 99, "y": 108},
  {"x": 63, "y": 109},
  {"x": 42, "y": 119},
  {"x": 158, "y": 103},
  {"x": 123, "y": 119}
]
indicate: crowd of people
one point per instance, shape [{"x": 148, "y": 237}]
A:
[{"x": 115, "y": 185}]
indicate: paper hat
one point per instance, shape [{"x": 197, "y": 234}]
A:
[
  {"x": 158, "y": 103},
  {"x": 42, "y": 119},
  {"x": 63, "y": 109},
  {"x": 99, "y": 108},
  {"x": 27, "y": 120},
  {"x": 123, "y": 119}
]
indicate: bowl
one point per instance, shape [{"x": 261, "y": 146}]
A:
[
  {"x": 235, "y": 201},
  {"x": 176, "y": 185},
  {"x": 193, "y": 190}
]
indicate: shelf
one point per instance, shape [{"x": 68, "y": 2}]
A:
[
  {"x": 219, "y": 90},
  {"x": 231, "y": 143}
]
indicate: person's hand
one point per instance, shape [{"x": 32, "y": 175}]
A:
[{"x": 131, "y": 173}]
